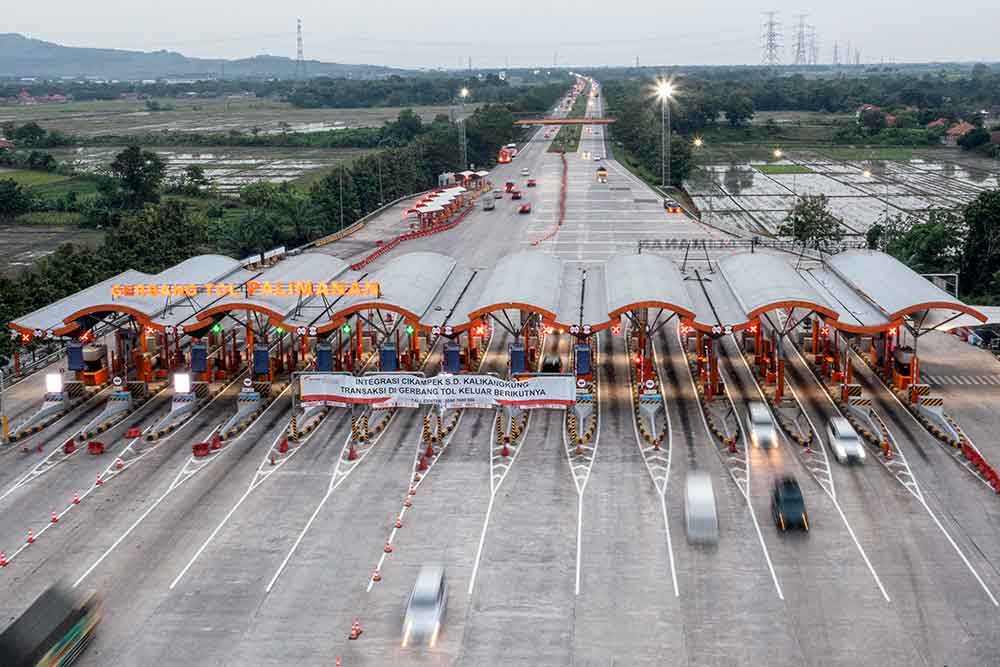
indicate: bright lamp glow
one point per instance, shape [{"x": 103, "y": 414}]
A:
[
  {"x": 778, "y": 153},
  {"x": 53, "y": 383},
  {"x": 464, "y": 92},
  {"x": 698, "y": 142},
  {"x": 867, "y": 173},
  {"x": 182, "y": 383},
  {"x": 664, "y": 89}
]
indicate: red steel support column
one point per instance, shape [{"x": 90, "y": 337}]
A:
[
  {"x": 249, "y": 343},
  {"x": 699, "y": 350},
  {"x": 815, "y": 336},
  {"x": 779, "y": 353},
  {"x": 360, "y": 342},
  {"x": 713, "y": 370},
  {"x": 414, "y": 349}
]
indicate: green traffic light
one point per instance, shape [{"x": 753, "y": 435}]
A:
[
  {"x": 216, "y": 328},
  {"x": 409, "y": 329},
  {"x": 279, "y": 330},
  {"x": 346, "y": 328}
]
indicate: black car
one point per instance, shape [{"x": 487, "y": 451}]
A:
[
  {"x": 787, "y": 505},
  {"x": 552, "y": 363}
]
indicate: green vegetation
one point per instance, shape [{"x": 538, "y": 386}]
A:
[
  {"x": 781, "y": 169},
  {"x": 567, "y": 139},
  {"x": 29, "y": 178},
  {"x": 852, "y": 153},
  {"x": 965, "y": 240},
  {"x": 811, "y": 221}
]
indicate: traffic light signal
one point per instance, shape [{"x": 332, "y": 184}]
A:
[
  {"x": 616, "y": 330},
  {"x": 346, "y": 328},
  {"x": 409, "y": 329},
  {"x": 216, "y": 328},
  {"x": 279, "y": 330}
]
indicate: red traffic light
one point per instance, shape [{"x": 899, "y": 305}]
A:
[
  {"x": 616, "y": 330},
  {"x": 638, "y": 359},
  {"x": 753, "y": 328}
]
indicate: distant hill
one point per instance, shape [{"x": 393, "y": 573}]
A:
[{"x": 21, "y": 56}]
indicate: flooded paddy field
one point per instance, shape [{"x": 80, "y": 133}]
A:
[
  {"x": 227, "y": 168},
  {"x": 131, "y": 117},
  {"x": 755, "y": 195}
]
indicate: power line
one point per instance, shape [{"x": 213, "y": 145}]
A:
[
  {"x": 801, "y": 56},
  {"x": 813, "y": 46},
  {"x": 770, "y": 40},
  {"x": 300, "y": 60}
]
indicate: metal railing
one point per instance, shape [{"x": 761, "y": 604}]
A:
[{"x": 787, "y": 245}]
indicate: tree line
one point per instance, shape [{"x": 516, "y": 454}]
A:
[{"x": 152, "y": 224}]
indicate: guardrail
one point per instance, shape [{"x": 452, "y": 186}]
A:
[
  {"x": 386, "y": 247},
  {"x": 359, "y": 223}
]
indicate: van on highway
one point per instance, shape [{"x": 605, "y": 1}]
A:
[
  {"x": 489, "y": 203},
  {"x": 700, "y": 518}
]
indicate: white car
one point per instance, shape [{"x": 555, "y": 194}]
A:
[
  {"x": 700, "y": 519},
  {"x": 760, "y": 426},
  {"x": 425, "y": 608},
  {"x": 844, "y": 441},
  {"x": 525, "y": 172}
]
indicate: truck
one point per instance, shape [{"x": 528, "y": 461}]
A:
[
  {"x": 602, "y": 175},
  {"x": 489, "y": 203},
  {"x": 53, "y": 631}
]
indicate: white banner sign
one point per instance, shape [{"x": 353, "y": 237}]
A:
[{"x": 454, "y": 391}]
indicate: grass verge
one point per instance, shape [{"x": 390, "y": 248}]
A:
[{"x": 779, "y": 169}]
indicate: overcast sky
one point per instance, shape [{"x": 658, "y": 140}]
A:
[{"x": 412, "y": 33}]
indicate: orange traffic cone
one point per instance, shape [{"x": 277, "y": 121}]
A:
[
  {"x": 31, "y": 537},
  {"x": 76, "y": 498},
  {"x": 283, "y": 447},
  {"x": 388, "y": 547},
  {"x": 407, "y": 502},
  {"x": 352, "y": 453},
  {"x": 399, "y": 522},
  {"x": 336, "y": 663},
  {"x": 504, "y": 452},
  {"x": 355, "y": 630},
  {"x": 3, "y": 559},
  {"x": 416, "y": 477},
  {"x": 422, "y": 464},
  {"x": 430, "y": 450},
  {"x": 272, "y": 459},
  {"x": 413, "y": 490},
  {"x": 376, "y": 575},
  {"x": 55, "y": 517},
  {"x": 99, "y": 481},
  {"x": 119, "y": 464}
]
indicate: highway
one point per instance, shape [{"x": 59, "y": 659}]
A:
[{"x": 238, "y": 562}]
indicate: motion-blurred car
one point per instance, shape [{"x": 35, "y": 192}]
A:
[
  {"x": 525, "y": 208},
  {"x": 671, "y": 205},
  {"x": 53, "y": 631},
  {"x": 508, "y": 186},
  {"x": 788, "y": 507},
  {"x": 426, "y": 608},
  {"x": 515, "y": 194},
  {"x": 597, "y": 158},
  {"x": 760, "y": 426},
  {"x": 552, "y": 363},
  {"x": 497, "y": 194},
  {"x": 531, "y": 183},
  {"x": 844, "y": 441},
  {"x": 700, "y": 519},
  {"x": 525, "y": 172}
]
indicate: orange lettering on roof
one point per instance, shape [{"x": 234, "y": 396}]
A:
[
  {"x": 371, "y": 288},
  {"x": 252, "y": 287},
  {"x": 354, "y": 289},
  {"x": 338, "y": 288},
  {"x": 303, "y": 288}
]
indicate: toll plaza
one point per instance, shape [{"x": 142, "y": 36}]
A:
[{"x": 118, "y": 333}]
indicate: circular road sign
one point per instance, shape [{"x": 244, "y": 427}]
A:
[
  {"x": 117, "y": 382},
  {"x": 650, "y": 384},
  {"x": 247, "y": 382},
  {"x": 581, "y": 383}
]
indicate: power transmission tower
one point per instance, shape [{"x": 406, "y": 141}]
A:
[
  {"x": 836, "y": 54},
  {"x": 770, "y": 40},
  {"x": 300, "y": 60},
  {"x": 857, "y": 56},
  {"x": 801, "y": 56},
  {"x": 813, "y": 46},
  {"x": 850, "y": 54}
]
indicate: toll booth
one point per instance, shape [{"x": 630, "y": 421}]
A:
[
  {"x": 516, "y": 359},
  {"x": 388, "y": 360},
  {"x": 452, "y": 357},
  {"x": 324, "y": 356},
  {"x": 199, "y": 358},
  {"x": 88, "y": 361},
  {"x": 261, "y": 359},
  {"x": 582, "y": 358}
]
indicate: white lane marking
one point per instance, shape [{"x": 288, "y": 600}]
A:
[
  {"x": 660, "y": 490},
  {"x": 335, "y": 482},
  {"x": 832, "y": 492},
  {"x": 494, "y": 487},
  {"x": 182, "y": 476},
  {"x": 753, "y": 516},
  {"x": 746, "y": 493},
  {"x": 257, "y": 481},
  {"x": 923, "y": 502},
  {"x": 111, "y": 471},
  {"x": 581, "y": 484}
]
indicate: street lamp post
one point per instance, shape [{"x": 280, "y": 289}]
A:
[
  {"x": 664, "y": 90},
  {"x": 462, "y": 94}
]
